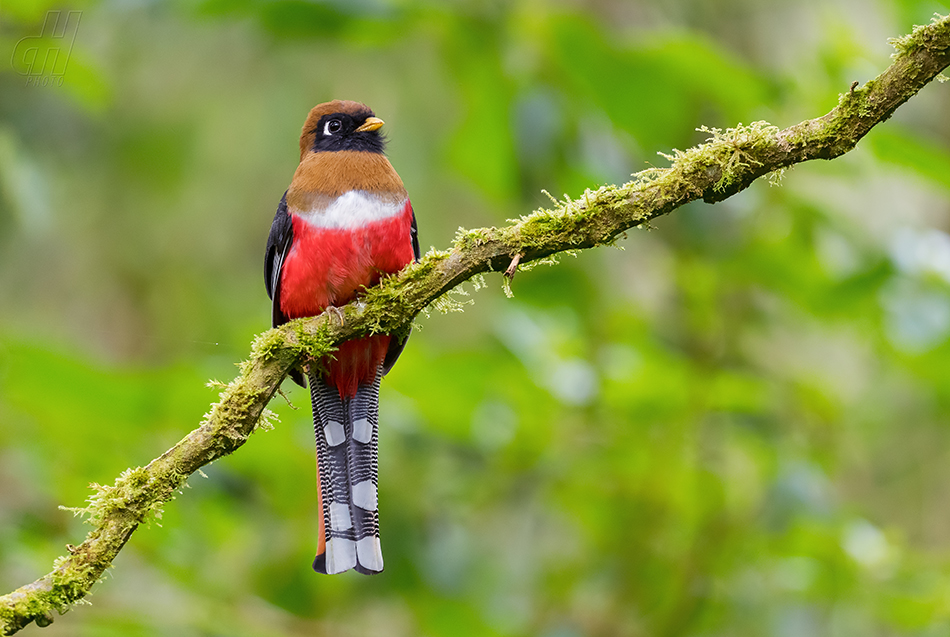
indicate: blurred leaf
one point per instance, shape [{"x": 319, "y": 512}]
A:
[
  {"x": 660, "y": 90},
  {"x": 924, "y": 157}
]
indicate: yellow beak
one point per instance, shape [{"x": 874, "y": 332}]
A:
[{"x": 371, "y": 123}]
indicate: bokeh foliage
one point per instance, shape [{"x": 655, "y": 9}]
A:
[{"x": 736, "y": 425}]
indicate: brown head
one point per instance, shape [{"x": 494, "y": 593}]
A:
[
  {"x": 341, "y": 149},
  {"x": 341, "y": 125}
]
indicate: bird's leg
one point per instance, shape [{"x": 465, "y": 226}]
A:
[{"x": 332, "y": 309}]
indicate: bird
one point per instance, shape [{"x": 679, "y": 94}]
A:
[{"x": 344, "y": 223}]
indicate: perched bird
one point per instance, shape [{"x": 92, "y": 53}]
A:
[{"x": 344, "y": 222}]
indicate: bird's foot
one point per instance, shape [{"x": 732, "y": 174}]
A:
[{"x": 336, "y": 312}]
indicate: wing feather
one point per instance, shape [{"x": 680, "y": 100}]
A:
[
  {"x": 396, "y": 345},
  {"x": 278, "y": 245}
]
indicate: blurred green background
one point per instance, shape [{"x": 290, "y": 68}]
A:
[{"x": 738, "y": 424}]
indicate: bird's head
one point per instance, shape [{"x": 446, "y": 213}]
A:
[{"x": 341, "y": 125}]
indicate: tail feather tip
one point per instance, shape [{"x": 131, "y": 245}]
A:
[
  {"x": 365, "y": 556},
  {"x": 341, "y": 555},
  {"x": 320, "y": 563},
  {"x": 369, "y": 555}
]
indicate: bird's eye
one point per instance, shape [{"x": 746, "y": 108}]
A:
[{"x": 331, "y": 127}]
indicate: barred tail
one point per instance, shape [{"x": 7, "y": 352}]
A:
[{"x": 347, "y": 434}]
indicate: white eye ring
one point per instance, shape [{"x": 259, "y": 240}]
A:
[{"x": 331, "y": 127}]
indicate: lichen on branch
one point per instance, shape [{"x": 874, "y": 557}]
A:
[{"x": 728, "y": 162}]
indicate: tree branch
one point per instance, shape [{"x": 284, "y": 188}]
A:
[{"x": 726, "y": 164}]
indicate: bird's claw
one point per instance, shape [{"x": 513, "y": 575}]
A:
[{"x": 337, "y": 312}]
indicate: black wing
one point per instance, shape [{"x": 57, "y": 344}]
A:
[
  {"x": 396, "y": 345},
  {"x": 414, "y": 233},
  {"x": 278, "y": 244}
]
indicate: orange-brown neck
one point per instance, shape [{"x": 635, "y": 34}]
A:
[{"x": 330, "y": 174}]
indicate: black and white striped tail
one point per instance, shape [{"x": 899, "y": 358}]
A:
[{"x": 347, "y": 433}]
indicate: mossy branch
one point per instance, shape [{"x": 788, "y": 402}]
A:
[{"x": 726, "y": 164}]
